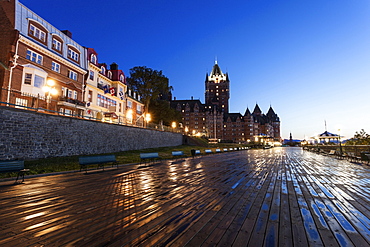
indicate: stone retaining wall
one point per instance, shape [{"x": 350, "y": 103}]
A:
[{"x": 32, "y": 135}]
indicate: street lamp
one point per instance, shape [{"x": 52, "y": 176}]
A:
[
  {"x": 148, "y": 118},
  {"x": 129, "y": 116},
  {"x": 340, "y": 143},
  {"x": 51, "y": 90},
  {"x": 186, "y": 130},
  {"x": 173, "y": 125}
]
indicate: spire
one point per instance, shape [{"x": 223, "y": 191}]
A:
[
  {"x": 216, "y": 70},
  {"x": 206, "y": 76}
]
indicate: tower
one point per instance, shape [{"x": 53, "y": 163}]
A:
[{"x": 217, "y": 89}]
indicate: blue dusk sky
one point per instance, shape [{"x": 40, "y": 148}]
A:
[{"x": 309, "y": 60}]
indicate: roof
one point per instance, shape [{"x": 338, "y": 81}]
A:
[
  {"x": 233, "y": 117},
  {"x": 216, "y": 70},
  {"x": 327, "y": 134}
]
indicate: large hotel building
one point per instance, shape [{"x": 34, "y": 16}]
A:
[{"x": 214, "y": 120}]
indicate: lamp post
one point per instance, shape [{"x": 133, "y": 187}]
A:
[
  {"x": 340, "y": 143},
  {"x": 148, "y": 118},
  {"x": 186, "y": 130},
  {"x": 50, "y": 90},
  {"x": 173, "y": 125}
]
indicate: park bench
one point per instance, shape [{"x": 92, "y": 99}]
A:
[
  {"x": 365, "y": 156},
  {"x": 177, "y": 154},
  {"x": 332, "y": 152},
  {"x": 351, "y": 156},
  {"x": 13, "y": 166},
  {"x": 149, "y": 156},
  {"x": 100, "y": 160},
  {"x": 208, "y": 151}
]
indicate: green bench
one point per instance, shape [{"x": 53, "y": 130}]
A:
[
  {"x": 13, "y": 166},
  {"x": 100, "y": 160}
]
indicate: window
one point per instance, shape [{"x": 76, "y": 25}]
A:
[
  {"x": 93, "y": 59},
  {"x": 20, "y": 103},
  {"x": 105, "y": 102},
  {"x": 102, "y": 70},
  {"x": 39, "y": 81},
  {"x": 89, "y": 97},
  {"x": 91, "y": 75},
  {"x": 27, "y": 79},
  {"x": 70, "y": 93},
  {"x": 109, "y": 75},
  {"x": 73, "y": 54},
  {"x": 55, "y": 66},
  {"x": 138, "y": 108},
  {"x": 68, "y": 112},
  {"x": 34, "y": 57},
  {"x": 72, "y": 75},
  {"x": 129, "y": 104},
  {"x": 37, "y": 33},
  {"x": 122, "y": 78},
  {"x": 56, "y": 45},
  {"x": 75, "y": 94}
]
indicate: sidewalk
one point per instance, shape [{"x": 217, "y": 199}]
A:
[{"x": 276, "y": 197}]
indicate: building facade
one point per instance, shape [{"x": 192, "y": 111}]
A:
[
  {"x": 214, "y": 120},
  {"x": 44, "y": 69}
]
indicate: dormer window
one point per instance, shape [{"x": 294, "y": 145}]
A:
[
  {"x": 102, "y": 70},
  {"x": 121, "y": 78},
  {"x": 56, "y": 45},
  {"x": 93, "y": 59},
  {"x": 73, "y": 54},
  {"x": 109, "y": 74},
  {"x": 37, "y": 33}
]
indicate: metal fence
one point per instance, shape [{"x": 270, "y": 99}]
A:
[{"x": 48, "y": 105}]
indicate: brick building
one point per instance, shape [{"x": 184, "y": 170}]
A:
[
  {"x": 214, "y": 120},
  {"x": 43, "y": 68}
]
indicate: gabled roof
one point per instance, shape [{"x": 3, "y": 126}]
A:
[
  {"x": 257, "y": 110},
  {"x": 247, "y": 112}
]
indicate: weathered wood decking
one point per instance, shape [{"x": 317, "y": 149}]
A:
[{"x": 275, "y": 197}]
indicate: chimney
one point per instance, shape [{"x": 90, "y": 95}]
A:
[
  {"x": 192, "y": 97},
  {"x": 114, "y": 66},
  {"x": 68, "y": 33},
  {"x": 174, "y": 98}
]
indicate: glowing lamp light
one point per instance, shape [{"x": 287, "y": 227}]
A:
[{"x": 148, "y": 117}]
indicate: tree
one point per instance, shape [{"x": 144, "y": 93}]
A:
[
  {"x": 360, "y": 138},
  {"x": 161, "y": 111},
  {"x": 149, "y": 83}
]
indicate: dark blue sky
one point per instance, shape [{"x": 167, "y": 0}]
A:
[{"x": 309, "y": 59}]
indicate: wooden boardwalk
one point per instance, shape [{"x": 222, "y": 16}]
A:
[{"x": 276, "y": 197}]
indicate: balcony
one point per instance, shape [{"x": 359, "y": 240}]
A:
[{"x": 71, "y": 102}]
